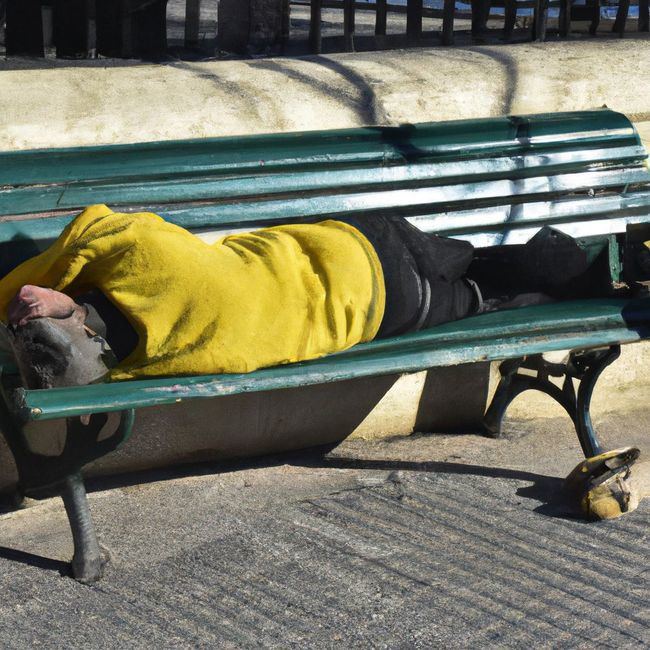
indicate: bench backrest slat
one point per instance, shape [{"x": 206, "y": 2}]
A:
[
  {"x": 482, "y": 180},
  {"x": 29, "y": 199},
  {"x": 439, "y": 141}
]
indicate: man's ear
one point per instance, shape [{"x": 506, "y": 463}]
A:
[{"x": 79, "y": 315}]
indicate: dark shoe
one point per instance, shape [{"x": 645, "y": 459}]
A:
[{"x": 551, "y": 260}]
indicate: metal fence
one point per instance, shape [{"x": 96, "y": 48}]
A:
[
  {"x": 140, "y": 28},
  {"x": 478, "y": 11},
  {"x": 84, "y": 28}
]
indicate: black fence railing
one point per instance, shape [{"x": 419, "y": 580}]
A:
[
  {"x": 478, "y": 11},
  {"x": 86, "y": 28},
  {"x": 140, "y": 28}
]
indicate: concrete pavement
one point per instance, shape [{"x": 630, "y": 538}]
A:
[{"x": 433, "y": 540}]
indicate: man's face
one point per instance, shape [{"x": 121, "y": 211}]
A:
[{"x": 56, "y": 352}]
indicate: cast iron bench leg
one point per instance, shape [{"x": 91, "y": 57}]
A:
[
  {"x": 41, "y": 476},
  {"x": 87, "y": 563},
  {"x": 583, "y": 366}
]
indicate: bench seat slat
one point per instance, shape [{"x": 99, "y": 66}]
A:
[
  {"x": 24, "y": 200},
  {"x": 499, "y": 335},
  {"x": 435, "y": 141}
]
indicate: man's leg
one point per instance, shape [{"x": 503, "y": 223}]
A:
[
  {"x": 404, "y": 291},
  {"x": 433, "y": 281}
]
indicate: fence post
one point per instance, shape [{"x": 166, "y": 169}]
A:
[
  {"x": 24, "y": 31},
  {"x": 414, "y": 18},
  {"x": 315, "y": 34},
  {"x": 621, "y": 17},
  {"x": 192, "y": 19},
  {"x": 71, "y": 28},
  {"x": 510, "y": 18},
  {"x": 448, "y": 11},
  {"x": 565, "y": 17},
  {"x": 380, "y": 17},
  {"x": 540, "y": 21},
  {"x": 252, "y": 26},
  {"x": 595, "y": 17},
  {"x": 348, "y": 24},
  {"x": 644, "y": 16}
]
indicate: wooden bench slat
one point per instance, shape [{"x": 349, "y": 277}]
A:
[
  {"x": 467, "y": 224},
  {"x": 437, "y": 141},
  {"x": 29, "y": 199},
  {"x": 493, "y": 336},
  {"x": 411, "y": 201}
]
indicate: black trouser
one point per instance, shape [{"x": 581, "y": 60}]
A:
[
  {"x": 423, "y": 274},
  {"x": 431, "y": 279},
  {"x": 550, "y": 262}
]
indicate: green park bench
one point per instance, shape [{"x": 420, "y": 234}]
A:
[{"x": 491, "y": 181}]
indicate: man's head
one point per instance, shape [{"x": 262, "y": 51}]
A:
[
  {"x": 53, "y": 347},
  {"x": 55, "y": 352}
]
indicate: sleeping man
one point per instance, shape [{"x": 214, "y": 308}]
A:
[
  {"x": 121, "y": 296},
  {"x": 158, "y": 300}
]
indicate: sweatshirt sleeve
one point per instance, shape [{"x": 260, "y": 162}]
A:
[{"x": 55, "y": 267}]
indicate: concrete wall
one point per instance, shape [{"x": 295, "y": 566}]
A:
[{"x": 98, "y": 102}]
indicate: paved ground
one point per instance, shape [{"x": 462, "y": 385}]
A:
[{"x": 425, "y": 541}]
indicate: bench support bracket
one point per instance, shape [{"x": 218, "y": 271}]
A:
[{"x": 535, "y": 372}]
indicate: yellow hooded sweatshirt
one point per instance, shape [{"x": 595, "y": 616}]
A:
[{"x": 267, "y": 297}]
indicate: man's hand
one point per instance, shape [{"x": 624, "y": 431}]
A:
[{"x": 37, "y": 302}]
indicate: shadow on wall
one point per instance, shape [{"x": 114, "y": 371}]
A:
[
  {"x": 354, "y": 93},
  {"x": 362, "y": 100},
  {"x": 510, "y": 73}
]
